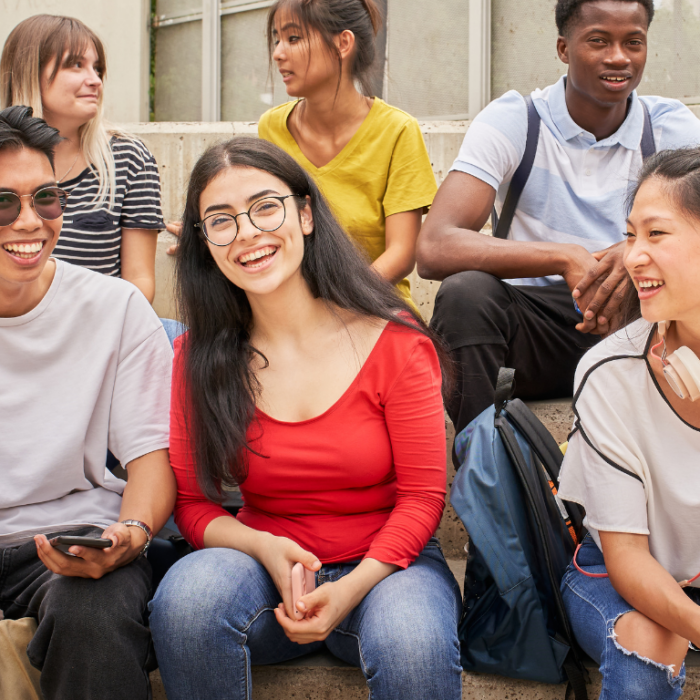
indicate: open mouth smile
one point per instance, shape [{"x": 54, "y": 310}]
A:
[
  {"x": 615, "y": 82},
  {"x": 25, "y": 251},
  {"x": 649, "y": 288},
  {"x": 259, "y": 258}
]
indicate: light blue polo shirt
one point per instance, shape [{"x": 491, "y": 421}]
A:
[{"x": 578, "y": 187}]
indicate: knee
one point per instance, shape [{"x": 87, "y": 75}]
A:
[
  {"x": 201, "y": 591},
  {"x": 465, "y": 296},
  {"x": 635, "y": 633},
  {"x": 113, "y": 602}
]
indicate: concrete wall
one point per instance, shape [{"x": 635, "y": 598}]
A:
[{"x": 123, "y": 28}]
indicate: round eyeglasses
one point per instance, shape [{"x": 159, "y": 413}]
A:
[
  {"x": 267, "y": 214},
  {"x": 49, "y": 203}
]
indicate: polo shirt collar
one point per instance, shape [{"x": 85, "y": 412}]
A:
[{"x": 629, "y": 135}]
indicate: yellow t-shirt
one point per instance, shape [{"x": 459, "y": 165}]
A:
[{"x": 383, "y": 170}]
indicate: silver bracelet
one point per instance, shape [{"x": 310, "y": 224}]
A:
[{"x": 145, "y": 528}]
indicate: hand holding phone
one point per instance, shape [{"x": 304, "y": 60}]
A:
[
  {"x": 303, "y": 582},
  {"x": 64, "y": 542}
]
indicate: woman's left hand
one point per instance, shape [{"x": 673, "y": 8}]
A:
[{"x": 326, "y": 607}]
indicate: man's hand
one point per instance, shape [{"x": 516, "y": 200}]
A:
[
  {"x": 174, "y": 227},
  {"x": 93, "y": 563},
  {"x": 601, "y": 290}
]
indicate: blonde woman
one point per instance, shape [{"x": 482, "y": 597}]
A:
[{"x": 57, "y": 66}]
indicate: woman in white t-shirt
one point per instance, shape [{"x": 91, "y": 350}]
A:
[{"x": 633, "y": 461}]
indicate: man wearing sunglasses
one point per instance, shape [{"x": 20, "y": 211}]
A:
[{"x": 84, "y": 367}]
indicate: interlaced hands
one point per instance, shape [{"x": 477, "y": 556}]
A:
[
  {"x": 88, "y": 562},
  {"x": 174, "y": 227},
  {"x": 325, "y": 608},
  {"x": 600, "y": 289}
]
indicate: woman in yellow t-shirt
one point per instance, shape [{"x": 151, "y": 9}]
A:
[{"x": 367, "y": 157}]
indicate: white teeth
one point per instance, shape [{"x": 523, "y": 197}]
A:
[
  {"x": 646, "y": 284},
  {"x": 248, "y": 257},
  {"x": 23, "y": 247}
]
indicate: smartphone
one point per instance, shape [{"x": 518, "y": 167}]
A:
[
  {"x": 63, "y": 543},
  {"x": 303, "y": 582}
]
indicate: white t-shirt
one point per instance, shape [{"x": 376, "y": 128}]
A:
[
  {"x": 86, "y": 370},
  {"x": 632, "y": 462},
  {"x": 577, "y": 189}
]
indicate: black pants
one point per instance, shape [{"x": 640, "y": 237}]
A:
[
  {"x": 92, "y": 639},
  {"x": 488, "y": 324}
]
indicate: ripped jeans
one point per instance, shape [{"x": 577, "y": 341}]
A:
[{"x": 594, "y": 606}]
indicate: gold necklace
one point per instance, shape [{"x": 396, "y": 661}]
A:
[{"x": 69, "y": 169}]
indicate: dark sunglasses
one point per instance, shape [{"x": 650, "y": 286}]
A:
[{"x": 49, "y": 203}]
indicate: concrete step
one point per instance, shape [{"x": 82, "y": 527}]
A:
[{"x": 321, "y": 676}]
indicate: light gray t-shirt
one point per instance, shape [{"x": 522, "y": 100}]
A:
[
  {"x": 86, "y": 370},
  {"x": 633, "y": 462}
]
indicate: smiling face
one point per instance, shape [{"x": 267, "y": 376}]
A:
[
  {"x": 27, "y": 243},
  {"x": 606, "y": 50},
  {"x": 74, "y": 94},
  {"x": 663, "y": 255},
  {"x": 302, "y": 57},
  {"x": 258, "y": 262}
]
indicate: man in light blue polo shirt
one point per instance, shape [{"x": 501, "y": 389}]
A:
[{"x": 567, "y": 232}]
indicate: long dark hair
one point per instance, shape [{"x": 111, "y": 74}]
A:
[
  {"x": 220, "y": 384},
  {"x": 679, "y": 170},
  {"x": 329, "y": 18}
]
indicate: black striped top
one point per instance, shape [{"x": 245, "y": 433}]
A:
[{"x": 92, "y": 237}]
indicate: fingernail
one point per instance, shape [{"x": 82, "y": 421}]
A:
[
  {"x": 602, "y": 320},
  {"x": 589, "y": 315},
  {"x": 317, "y": 562},
  {"x": 576, "y": 294},
  {"x": 301, "y": 606}
]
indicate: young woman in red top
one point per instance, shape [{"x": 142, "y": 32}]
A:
[{"x": 305, "y": 379}]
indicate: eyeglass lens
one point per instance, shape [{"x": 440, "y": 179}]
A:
[
  {"x": 265, "y": 215},
  {"x": 49, "y": 204}
]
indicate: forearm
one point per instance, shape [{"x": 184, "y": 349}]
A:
[
  {"x": 227, "y": 532},
  {"x": 146, "y": 284},
  {"x": 150, "y": 491},
  {"x": 652, "y": 591},
  {"x": 394, "y": 265},
  {"x": 138, "y": 259},
  {"x": 458, "y": 250},
  {"x": 364, "y": 578}
]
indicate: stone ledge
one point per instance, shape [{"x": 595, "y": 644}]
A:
[{"x": 322, "y": 677}]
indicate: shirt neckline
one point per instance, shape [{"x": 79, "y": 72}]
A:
[
  {"x": 343, "y": 396},
  {"x": 629, "y": 135},
  {"x": 43, "y": 304},
  {"x": 344, "y": 152}
]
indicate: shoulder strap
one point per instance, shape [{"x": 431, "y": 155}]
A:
[
  {"x": 501, "y": 225},
  {"x": 505, "y": 385},
  {"x": 648, "y": 143}
]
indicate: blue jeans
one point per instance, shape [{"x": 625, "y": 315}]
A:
[
  {"x": 594, "y": 606},
  {"x": 212, "y": 617},
  {"x": 173, "y": 329}
]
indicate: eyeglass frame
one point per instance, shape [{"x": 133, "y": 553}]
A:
[
  {"x": 33, "y": 206},
  {"x": 200, "y": 224}
]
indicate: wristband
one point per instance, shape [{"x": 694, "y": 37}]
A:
[{"x": 145, "y": 528}]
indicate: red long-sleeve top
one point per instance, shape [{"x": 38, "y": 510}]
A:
[{"x": 366, "y": 478}]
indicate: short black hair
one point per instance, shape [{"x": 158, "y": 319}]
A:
[
  {"x": 567, "y": 11},
  {"x": 19, "y": 129}
]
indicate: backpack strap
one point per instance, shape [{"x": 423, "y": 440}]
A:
[
  {"x": 648, "y": 144},
  {"x": 501, "y": 225},
  {"x": 505, "y": 385}
]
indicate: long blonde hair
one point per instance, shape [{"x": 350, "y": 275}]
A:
[{"x": 32, "y": 45}]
